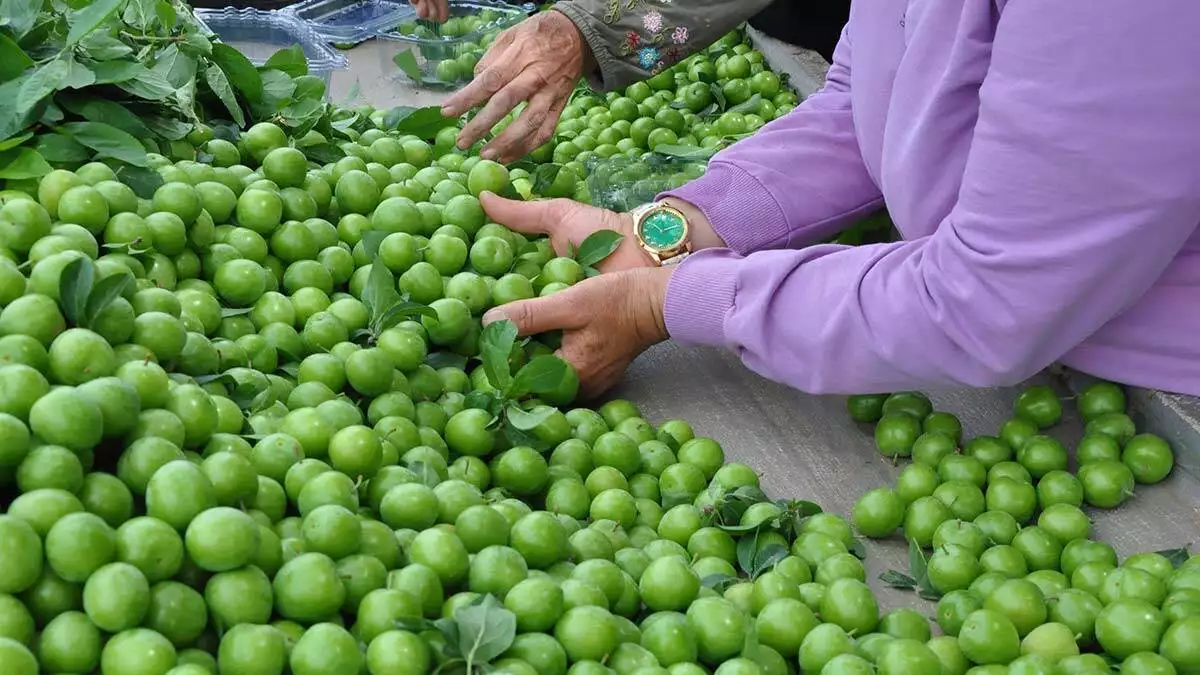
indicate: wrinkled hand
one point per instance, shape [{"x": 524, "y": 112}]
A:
[
  {"x": 432, "y": 10},
  {"x": 606, "y": 321},
  {"x": 568, "y": 223},
  {"x": 538, "y": 61}
]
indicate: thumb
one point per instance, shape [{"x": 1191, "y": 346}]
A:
[
  {"x": 533, "y": 217},
  {"x": 540, "y": 315}
]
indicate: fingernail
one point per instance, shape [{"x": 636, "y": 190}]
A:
[
  {"x": 488, "y": 154},
  {"x": 493, "y": 316}
]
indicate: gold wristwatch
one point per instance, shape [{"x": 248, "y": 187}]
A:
[{"x": 662, "y": 231}]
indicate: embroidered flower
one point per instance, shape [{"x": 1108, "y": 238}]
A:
[
  {"x": 679, "y": 35},
  {"x": 632, "y": 40},
  {"x": 652, "y": 22},
  {"x": 647, "y": 57}
]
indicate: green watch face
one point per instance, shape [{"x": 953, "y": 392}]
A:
[{"x": 663, "y": 230}]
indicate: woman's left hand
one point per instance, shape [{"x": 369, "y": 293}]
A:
[{"x": 606, "y": 322}]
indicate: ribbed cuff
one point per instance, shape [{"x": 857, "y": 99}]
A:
[
  {"x": 744, "y": 213},
  {"x": 605, "y": 63},
  {"x": 700, "y": 295}
]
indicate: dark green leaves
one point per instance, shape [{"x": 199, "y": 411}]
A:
[
  {"x": 407, "y": 63},
  {"x": 385, "y": 307},
  {"x": 598, "y": 246},
  {"x": 1176, "y": 556},
  {"x": 754, "y": 560},
  {"x": 542, "y": 374},
  {"x": 477, "y": 634},
  {"x": 13, "y": 59},
  {"x": 107, "y": 141},
  {"x": 218, "y": 82},
  {"x": 19, "y": 16},
  {"x": 82, "y": 297},
  {"x": 423, "y": 122},
  {"x": 89, "y": 19},
  {"x": 495, "y": 345},
  {"x": 290, "y": 60},
  {"x": 144, "y": 181},
  {"x": 918, "y": 578},
  {"x": 241, "y": 74},
  {"x": 20, "y": 163}
]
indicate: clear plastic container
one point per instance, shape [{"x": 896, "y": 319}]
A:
[
  {"x": 620, "y": 183},
  {"x": 345, "y": 23},
  {"x": 258, "y": 34},
  {"x": 443, "y": 56}
]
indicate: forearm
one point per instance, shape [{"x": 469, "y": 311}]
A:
[
  {"x": 797, "y": 181},
  {"x": 1067, "y": 214},
  {"x": 630, "y": 45}
]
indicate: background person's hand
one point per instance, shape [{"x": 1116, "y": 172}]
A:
[
  {"x": 537, "y": 61},
  {"x": 568, "y": 223},
  {"x": 432, "y": 10},
  {"x": 606, "y": 322}
]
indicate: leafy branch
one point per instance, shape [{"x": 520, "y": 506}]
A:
[
  {"x": 918, "y": 578},
  {"x": 385, "y": 306},
  {"x": 595, "y": 249},
  {"x": 540, "y": 375},
  {"x": 84, "y": 297},
  {"x": 476, "y": 635}
]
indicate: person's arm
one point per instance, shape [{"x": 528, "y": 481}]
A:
[
  {"x": 1081, "y": 186},
  {"x": 630, "y": 45},
  {"x": 797, "y": 181}
]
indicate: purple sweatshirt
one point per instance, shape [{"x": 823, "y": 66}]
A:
[{"x": 1042, "y": 161}]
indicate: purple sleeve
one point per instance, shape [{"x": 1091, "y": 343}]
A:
[
  {"x": 1082, "y": 184},
  {"x": 799, "y": 180}
]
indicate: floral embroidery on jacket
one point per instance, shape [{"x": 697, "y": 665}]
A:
[{"x": 661, "y": 45}]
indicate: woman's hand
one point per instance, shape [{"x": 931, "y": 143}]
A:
[
  {"x": 606, "y": 321},
  {"x": 539, "y": 61},
  {"x": 568, "y": 223},
  {"x": 432, "y": 10}
]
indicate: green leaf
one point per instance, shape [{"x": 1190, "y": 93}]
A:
[
  {"x": 278, "y": 89},
  {"x": 219, "y": 83},
  {"x": 197, "y": 44},
  {"x": 898, "y": 580},
  {"x": 542, "y": 374},
  {"x": 104, "y": 47},
  {"x": 767, "y": 557},
  {"x": 175, "y": 67},
  {"x": 407, "y": 63},
  {"x": 107, "y": 141},
  {"x": 480, "y": 400},
  {"x": 147, "y": 84},
  {"x": 747, "y": 547},
  {"x": 438, "y": 360},
  {"x": 400, "y": 311},
  {"x": 240, "y": 72},
  {"x": 517, "y": 437},
  {"x": 15, "y": 141},
  {"x": 144, "y": 181},
  {"x": 380, "y": 292},
  {"x": 858, "y": 549},
  {"x": 687, "y": 152},
  {"x": 495, "y": 345},
  {"x": 19, "y": 16},
  {"x": 1176, "y": 556},
  {"x": 526, "y": 420},
  {"x": 485, "y": 631},
  {"x": 598, "y": 246},
  {"x": 310, "y": 88},
  {"x": 89, "y": 19},
  {"x": 74, "y": 287},
  {"x": 20, "y": 163},
  {"x": 78, "y": 75},
  {"x": 917, "y": 563},
  {"x": 325, "y": 153},
  {"x": 289, "y": 60},
  {"x": 543, "y": 178},
  {"x": 107, "y": 112},
  {"x": 748, "y": 106},
  {"x": 111, "y": 72},
  {"x": 170, "y": 129},
  {"x": 103, "y": 294},
  {"x": 371, "y": 239},
  {"x": 718, "y": 582},
  {"x": 13, "y": 59},
  {"x": 41, "y": 82},
  {"x": 60, "y": 149},
  {"x": 422, "y": 122}
]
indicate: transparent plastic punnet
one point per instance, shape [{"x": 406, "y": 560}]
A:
[
  {"x": 258, "y": 34},
  {"x": 620, "y": 182},
  {"x": 345, "y": 23},
  {"x": 443, "y": 56}
]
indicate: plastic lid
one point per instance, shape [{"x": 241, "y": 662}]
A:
[
  {"x": 258, "y": 34},
  {"x": 351, "y": 21}
]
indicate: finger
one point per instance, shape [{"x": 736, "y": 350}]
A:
[
  {"x": 519, "y": 88},
  {"x": 532, "y": 127},
  {"x": 476, "y": 91},
  {"x": 540, "y": 315},
  {"x": 443, "y": 11},
  {"x": 537, "y": 217}
]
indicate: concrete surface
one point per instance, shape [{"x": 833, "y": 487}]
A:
[{"x": 373, "y": 79}]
